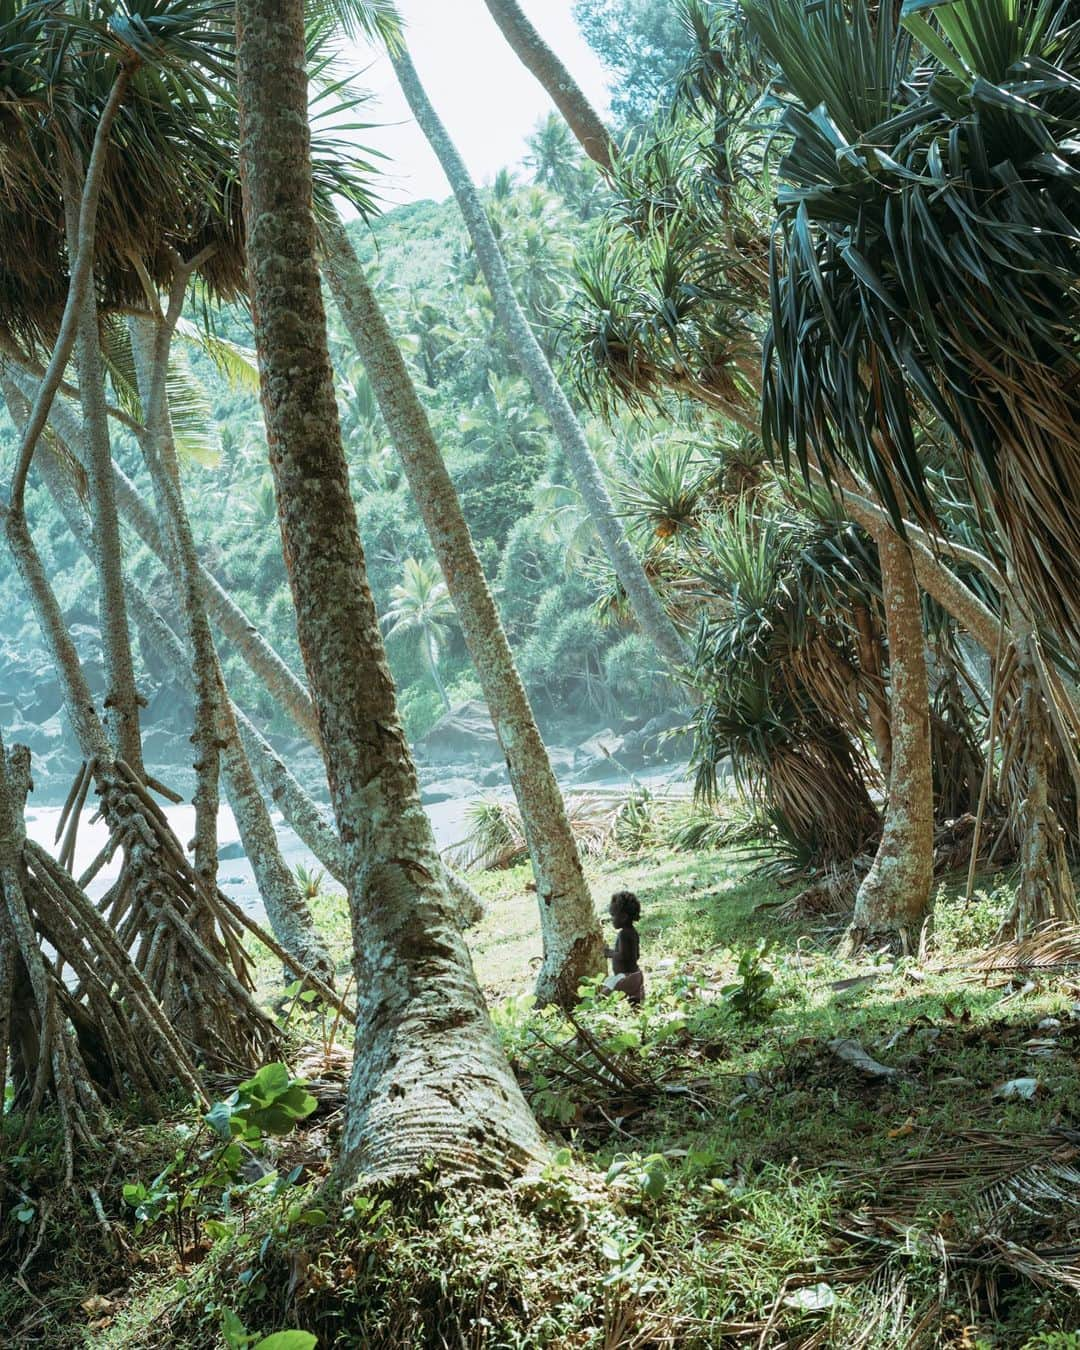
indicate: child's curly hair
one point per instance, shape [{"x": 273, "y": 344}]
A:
[{"x": 626, "y": 906}]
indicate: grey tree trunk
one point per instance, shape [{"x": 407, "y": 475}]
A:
[
  {"x": 121, "y": 708},
  {"x": 895, "y": 893},
  {"x": 563, "y": 90},
  {"x": 151, "y": 340},
  {"x": 429, "y": 1080},
  {"x": 646, "y": 605},
  {"x": 1046, "y": 890},
  {"x": 573, "y": 942}
]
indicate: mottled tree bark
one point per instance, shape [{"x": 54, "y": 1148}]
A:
[
  {"x": 429, "y": 1082},
  {"x": 151, "y": 340},
  {"x": 1046, "y": 890},
  {"x": 573, "y": 942},
  {"x": 895, "y": 894},
  {"x": 563, "y": 90},
  {"x": 646, "y": 605},
  {"x": 868, "y": 642},
  {"x": 121, "y": 707}
]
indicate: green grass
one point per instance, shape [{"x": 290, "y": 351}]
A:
[{"x": 776, "y": 1197}]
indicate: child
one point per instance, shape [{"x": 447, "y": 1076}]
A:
[{"x": 626, "y": 975}]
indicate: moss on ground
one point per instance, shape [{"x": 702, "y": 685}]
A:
[{"x": 732, "y": 1181}]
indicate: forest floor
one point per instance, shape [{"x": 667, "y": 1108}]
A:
[{"x": 782, "y": 1148}]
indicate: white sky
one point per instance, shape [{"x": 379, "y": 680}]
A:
[{"x": 487, "y": 100}]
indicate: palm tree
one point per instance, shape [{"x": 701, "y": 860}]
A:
[
  {"x": 429, "y": 1079},
  {"x": 573, "y": 946},
  {"x": 565, "y": 93},
  {"x": 421, "y": 607},
  {"x": 646, "y": 605}
]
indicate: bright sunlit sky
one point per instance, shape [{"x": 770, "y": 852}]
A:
[{"x": 487, "y": 100}]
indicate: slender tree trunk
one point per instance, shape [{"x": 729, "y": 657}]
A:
[
  {"x": 895, "y": 894},
  {"x": 573, "y": 943},
  {"x": 151, "y": 341},
  {"x": 1046, "y": 890},
  {"x": 429, "y": 1081},
  {"x": 644, "y": 602},
  {"x": 433, "y": 667},
  {"x": 868, "y": 637},
  {"x": 286, "y": 909},
  {"x": 121, "y": 699},
  {"x": 563, "y": 90}
]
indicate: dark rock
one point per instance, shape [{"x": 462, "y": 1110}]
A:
[
  {"x": 447, "y": 790},
  {"x": 230, "y": 852},
  {"x": 465, "y": 733}
]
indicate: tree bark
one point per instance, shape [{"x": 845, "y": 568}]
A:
[
  {"x": 895, "y": 893},
  {"x": 868, "y": 639},
  {"x": 121, "y": 707},
  {"x": 429, "y": 1082},
  {"x": 1046, "y": 890},
  {"x": 646, "y": 605},
  {"x": 151, "y": 340},
  {"x": 573, "y": 942},
  {"x": 563, "y": 90}
]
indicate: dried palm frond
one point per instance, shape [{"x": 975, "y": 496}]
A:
[
  {"x": 1052, "y": 947},
  {"x": 1023, "y": 1209}
]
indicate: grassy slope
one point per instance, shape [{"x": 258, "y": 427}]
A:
[{"x": 782, "y": 1181}]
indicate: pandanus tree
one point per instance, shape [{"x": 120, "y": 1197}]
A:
[
  {"x": 924, "y": 280},
  {"x": 186, "y": 940},
  {"x": 927, "y": 262},
  {"x": 429, "y": 1082}
]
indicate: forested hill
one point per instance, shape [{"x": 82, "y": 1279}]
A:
[{"x": 584, "y": 668}]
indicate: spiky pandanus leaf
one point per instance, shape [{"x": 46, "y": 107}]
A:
[{"x": 927, "y": 263}]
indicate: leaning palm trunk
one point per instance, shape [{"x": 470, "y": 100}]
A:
[
  {"x": 895, "y": 894},
  {"x": 121, "y": 701},
  {"x": 563, "y": 90},
  {"x": 573, "y": 944},
  {"x": 430, "y": 1082},
  {"x": 644, "y": 602}
]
